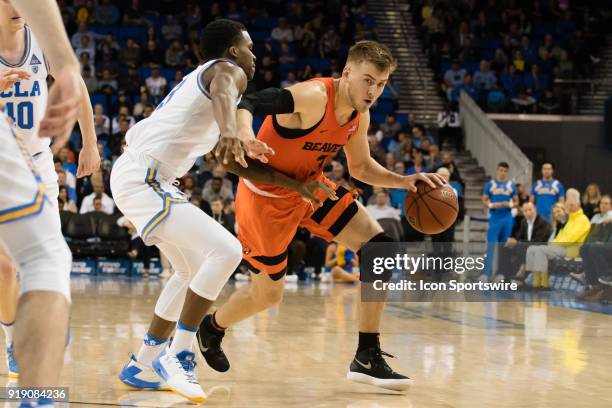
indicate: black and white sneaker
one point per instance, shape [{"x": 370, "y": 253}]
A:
[
  {"x": 370, "y": 367},
  {"x": 209, "y": 343}
]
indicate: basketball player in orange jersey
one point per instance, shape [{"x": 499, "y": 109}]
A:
[{"x": 307, "y": 125}]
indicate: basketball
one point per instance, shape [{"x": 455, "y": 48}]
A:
[{"x": 431, "y": 210}]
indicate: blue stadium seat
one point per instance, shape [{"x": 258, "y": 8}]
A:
[
  {"x": 138, "y": 33},
  {"x": 144, "y": 72},
  {"x": 98, "y": 99},
  {"x": 377, "y": 117},
  {"x": 490, "y": 43},
  {"x": 101, "y": 29},
  {"x": 264, "y": 22},
  {"x": 402, "y": 119},
  {"x": 384, "y": 106},
  {"x": 168, "y": 73},
  {"x": 259, "y": 35}
]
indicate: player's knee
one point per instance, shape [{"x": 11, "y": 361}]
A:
[
  {"x": 7, "y": 270},
  {"x": 230, "y": 251},
  {"x": 269, "y": 296}
]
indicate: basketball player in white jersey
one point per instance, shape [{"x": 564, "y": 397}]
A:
[
  {"x": 197, "y": 115},
  {"x": 28, "y": 223},
  {"x": 23, "y": 91}
]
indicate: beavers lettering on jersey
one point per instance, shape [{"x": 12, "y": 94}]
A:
[{"x": 322, "y": 147}]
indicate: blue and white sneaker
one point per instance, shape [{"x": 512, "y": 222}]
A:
[
  {"x": 177, "y": 371},
  {"x": 41, "y": 402},
  {"x": 11, "y": 363},
  {"x": 140, "y": 376}
]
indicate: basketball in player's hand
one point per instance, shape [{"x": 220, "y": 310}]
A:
[{"x": 431, "y": 210}]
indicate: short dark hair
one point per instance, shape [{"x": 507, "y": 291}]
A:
[
  {"x": 504, "y": 165},
  {"x": 548, "y": 162},
  {"x": 218, "y": 36}
]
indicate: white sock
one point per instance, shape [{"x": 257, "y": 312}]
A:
[
  {"x": 151, "y": 347},
  {"x": 8, "y": 328},
  {"x": 183, "y": 338}
]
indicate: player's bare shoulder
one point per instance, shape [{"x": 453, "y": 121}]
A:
[{"x": 227, "y": 69}]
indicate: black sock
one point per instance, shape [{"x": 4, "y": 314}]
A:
[
  {"x": 368, "y": 340},
  {"x": 212, "y": 326}
]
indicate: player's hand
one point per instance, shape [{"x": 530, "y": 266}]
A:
[
  {"x": 89, "y": 161},
  {"x": 432, "y": 179},
  {"x": 256, "y": 149},
  {"x": 9, "y": 76},
  {"x": 231, "y": 148},
  {"x": 308, "y": 191},
  {"x": 63, "y": 107}
]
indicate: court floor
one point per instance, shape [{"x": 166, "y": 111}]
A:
[{"x": 460, "y": 355}]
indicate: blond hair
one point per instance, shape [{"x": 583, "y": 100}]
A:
[{"x": 373, "y": 52}]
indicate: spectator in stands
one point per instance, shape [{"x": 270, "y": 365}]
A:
[
  {"x": 433, "y": 159},
  {"x": 290, "y": 81},
  {"x": 512, "y": 81},
  {"x": 329, "y": 44},
  {"x": 549, "y": 104},
  {"x": 85, "y": 61},
  {"x": 215, "y": 188},
  {"x": 547, "y": 191},
  {"x": 559, "y": 218},
  {"x": 566, "y": 243},
  {"x": 496, "y": 99},
  {"x": 131, "y": 83},
  {"x": 453, "y": 78},
  {"x": 175, "y": 55},
  {"x": 156, "y": 84},
  {"x": 101, "y": 121},
  {"x": 567, "y": 69},
  {"x": 66, "y": 157},
  {"x": 108, "y": 47},
  {"x": 341, "y": 261},
  {"x": 596, "y": 253},
  {"x": 338, "y": 175},
  {"x": 590, "y": 200},
  {"x": 390, "y": 127},
  {"x": 178, "y": 77},
  {"x": 484, "y": 78},
  {"x": 308, "y": 40},
  {"x": 107, "y": 203},
  {"x": 535, "y": 81},
  {"x": 90, "y": 81},
  {"x": 227, "y": 220},
  {"x": 87, "y": 46},
  {"x": 140, "y": 106},
  {"x": 71, "y": 195},
  {"x": 282, "y": 32},
  {"x": 64, "y": 201},
  {"x": 172, "y": 30},
  {"x": 124, "y": 113},
  {"x": 382, "y": 209},
  {"x": 533, "y": 229},
  {"x": 467, "y": 86},
  {"x": 418, "y": 135},
  {"x": 75, "y": 40},
  {"x": 524, "y": 103},
  {"x": 152, "y": 55},
  {"x": 108, "y": 83},
  {"x": 107, "y": 13},
  {"x": 130, "y": 54},
  {"x": 418, "y": 162}
]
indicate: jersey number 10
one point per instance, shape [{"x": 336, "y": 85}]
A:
[{"x": 23, "y": 115}]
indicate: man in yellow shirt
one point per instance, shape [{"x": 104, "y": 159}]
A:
[{"x": 566, "y": 243}]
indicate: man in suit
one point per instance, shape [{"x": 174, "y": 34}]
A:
[{"x": 533, "y": 229}]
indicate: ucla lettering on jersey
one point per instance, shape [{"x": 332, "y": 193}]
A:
[
  {"x": 183, "y": 126},
  {"x": 25, "y": 102}
]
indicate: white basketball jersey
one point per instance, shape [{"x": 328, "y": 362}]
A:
[
  {"x": 25, "y": 102},
  {"x": 183, "y": 126}
]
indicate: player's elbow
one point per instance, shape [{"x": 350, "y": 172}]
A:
[{"x": 358, "y": 171}]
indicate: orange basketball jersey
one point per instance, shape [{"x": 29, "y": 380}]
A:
[{"x": 302, "y": 153}]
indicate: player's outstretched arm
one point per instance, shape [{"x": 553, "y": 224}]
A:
[
  {"x": 89, "y": 157},
  {"x": 262, "y": 173},
  {"x": 363, "y": 167},
  {"x": 226, "y": 83}
]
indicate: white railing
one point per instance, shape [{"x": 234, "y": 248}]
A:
[{"x": 490, "y": 145}]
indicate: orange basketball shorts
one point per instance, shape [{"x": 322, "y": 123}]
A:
[{"x": 266, "y": 225}]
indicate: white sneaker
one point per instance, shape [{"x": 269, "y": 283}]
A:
[
  {"x": 140, "y": 376},
  {"x": 178, "y": 372},
  {"x": 242, "y": 276},
  {"x": 499, "y": 278},
  {"x": 483, "y": 278},
  {"x": 165, "y": 273},
  {"x": 326, "y": 277},
  {"x": 291, "y": 278}
]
